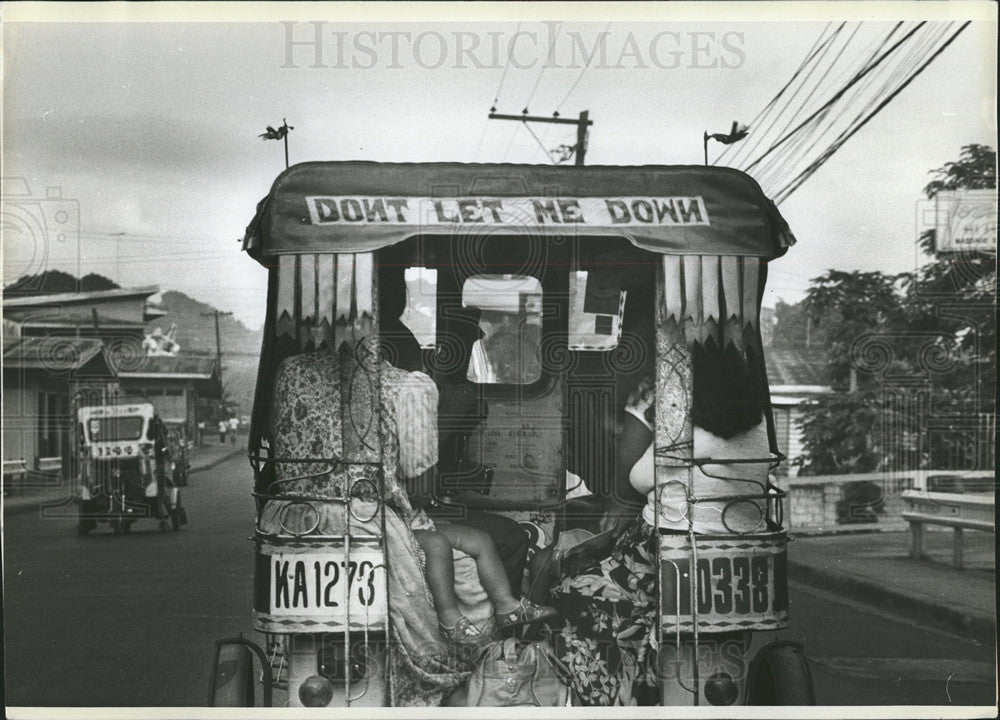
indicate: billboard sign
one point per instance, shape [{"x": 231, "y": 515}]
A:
[{"x": 966, "y": 220}]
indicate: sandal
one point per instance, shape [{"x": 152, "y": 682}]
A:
[
  {"x": 465, "y": 633},
  {"x": 526, "y": 612}
]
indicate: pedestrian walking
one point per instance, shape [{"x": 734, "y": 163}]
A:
[
  {"x": 223, "y": 427},
  {"x": 234, "y": 425}
]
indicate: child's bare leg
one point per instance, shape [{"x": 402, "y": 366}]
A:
[
  {"x": 492, "y": 575},
  {"x": 440, "y": 575}
]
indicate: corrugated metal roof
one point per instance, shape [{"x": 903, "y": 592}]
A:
[
  {"x": 73, "y": 320},
  {"x": 13, "y": 301},
  {"x": 53, "y": 354},
  {"x": 189, "y": 366},
  {"x": 794, "y": 367}
]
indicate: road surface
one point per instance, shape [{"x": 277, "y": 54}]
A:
[{"x": 131, "y": 620}]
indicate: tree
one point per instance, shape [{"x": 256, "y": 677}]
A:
[
  {"x": 936, "y": 325},
  {"x": 56, "y": 281},
  {"x": 845, "y": 307},
  {"x": 954, "y": 296}
]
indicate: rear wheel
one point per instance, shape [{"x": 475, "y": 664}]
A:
[
  {"x": 233, "y": 677},
  {"x": 780, "y": 675}
]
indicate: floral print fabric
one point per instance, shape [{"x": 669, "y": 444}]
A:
[{"x": 607, "y": 642}]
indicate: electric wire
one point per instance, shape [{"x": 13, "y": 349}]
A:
[
  {"x": 540, "y": 145},
  {"x": 853, "y": 88},
  {"x": 780, "y": 161},
  {"x": 582, "y": 72},
  {"x": 541, "y": 71},
  {"x": 510, "y": 52},
  {"x": 792, "y": 186},
  {"x": 849, "y": 70},
  {"x": 496, "y": 95},
  {"x": 770, "y": 105},
  {"x": 883, "y": 81},
  {"x": 819, "y": 83},
  {"x": 511, "y": 143},
  {"x": 836, "y": 96},
  {"x": 868, "y": 112}
]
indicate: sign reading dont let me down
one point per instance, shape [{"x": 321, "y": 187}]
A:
[{"x": 509, "y": 211}]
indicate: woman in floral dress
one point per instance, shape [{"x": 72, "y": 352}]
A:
[
  {"x": 608, "y": 642},
  {"x": 608, "y": 606}
]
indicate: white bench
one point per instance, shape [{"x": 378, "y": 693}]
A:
[
  {"x": 14, "y": 474},
  {"x": 959, "y": 512},
  {"x": 50, "y": 464}
]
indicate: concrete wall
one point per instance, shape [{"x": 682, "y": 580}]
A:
[
  {"x": 811, "y": 505},
  {"x": 20, "y": 420}
]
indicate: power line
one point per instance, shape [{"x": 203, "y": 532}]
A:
[
  {"x": 836, "y": 96},
  {"x": 770, "y": 105},
  {"x": 805, "y": 145},
  {"x": 510, "y": 48},
  {"x": 540, "y": 145},
  {"x": 510, "y": 144},
  {"x": 584, "y": 70},
  {"x": 781, "y": 161},
  {"x": 816, "y": 164},
  {"x": 541, "y": 72}
]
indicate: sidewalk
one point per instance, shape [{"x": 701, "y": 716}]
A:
[
  {"x": 202, "y": 458},
  {"x": 876, "y": 568}
]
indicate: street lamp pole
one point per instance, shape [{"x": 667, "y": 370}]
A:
[{"x": 735, "y": 134}]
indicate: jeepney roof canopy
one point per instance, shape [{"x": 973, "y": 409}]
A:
[{"x": 359, "y": 207}]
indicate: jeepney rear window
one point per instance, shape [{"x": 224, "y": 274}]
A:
[
  {"x": 420, "y": 315},
  {"x": 510, "y": 319},
  {"x": 595, "y": 312},
  {"x": 115, "y": 428}
]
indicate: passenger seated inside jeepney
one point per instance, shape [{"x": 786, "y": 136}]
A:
[{"x": 438, "y": 539}]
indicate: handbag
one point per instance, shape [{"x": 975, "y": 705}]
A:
[
  {"x": 507, "y": 674},
  {"x": 575, "y": 550}
]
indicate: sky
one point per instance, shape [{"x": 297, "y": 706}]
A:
[{"x": 144, "y": 134}]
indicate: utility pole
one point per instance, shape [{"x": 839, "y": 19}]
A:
[
  {"x": 218, "y": 338},
  {"x": 582, "y": 123}
]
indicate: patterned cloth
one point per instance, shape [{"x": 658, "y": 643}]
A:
[
  {"x": 307, "y": 424},
  {"x": 608, "y": 639}
]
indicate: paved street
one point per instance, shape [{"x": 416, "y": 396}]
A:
[
  {"x": 130, "y": 621},
  {"x": 104, "y": 620}
]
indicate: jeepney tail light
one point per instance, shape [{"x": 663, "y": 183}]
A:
[{"x": 316, "y": 691}]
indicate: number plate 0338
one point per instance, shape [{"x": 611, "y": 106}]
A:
[{"x": 733, "y": 587}]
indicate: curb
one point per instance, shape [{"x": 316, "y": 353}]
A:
[
  {"x": 238, "y": 450},
  {"x": 970, "y": 625},
  {"x": 16, "y": 510}
]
